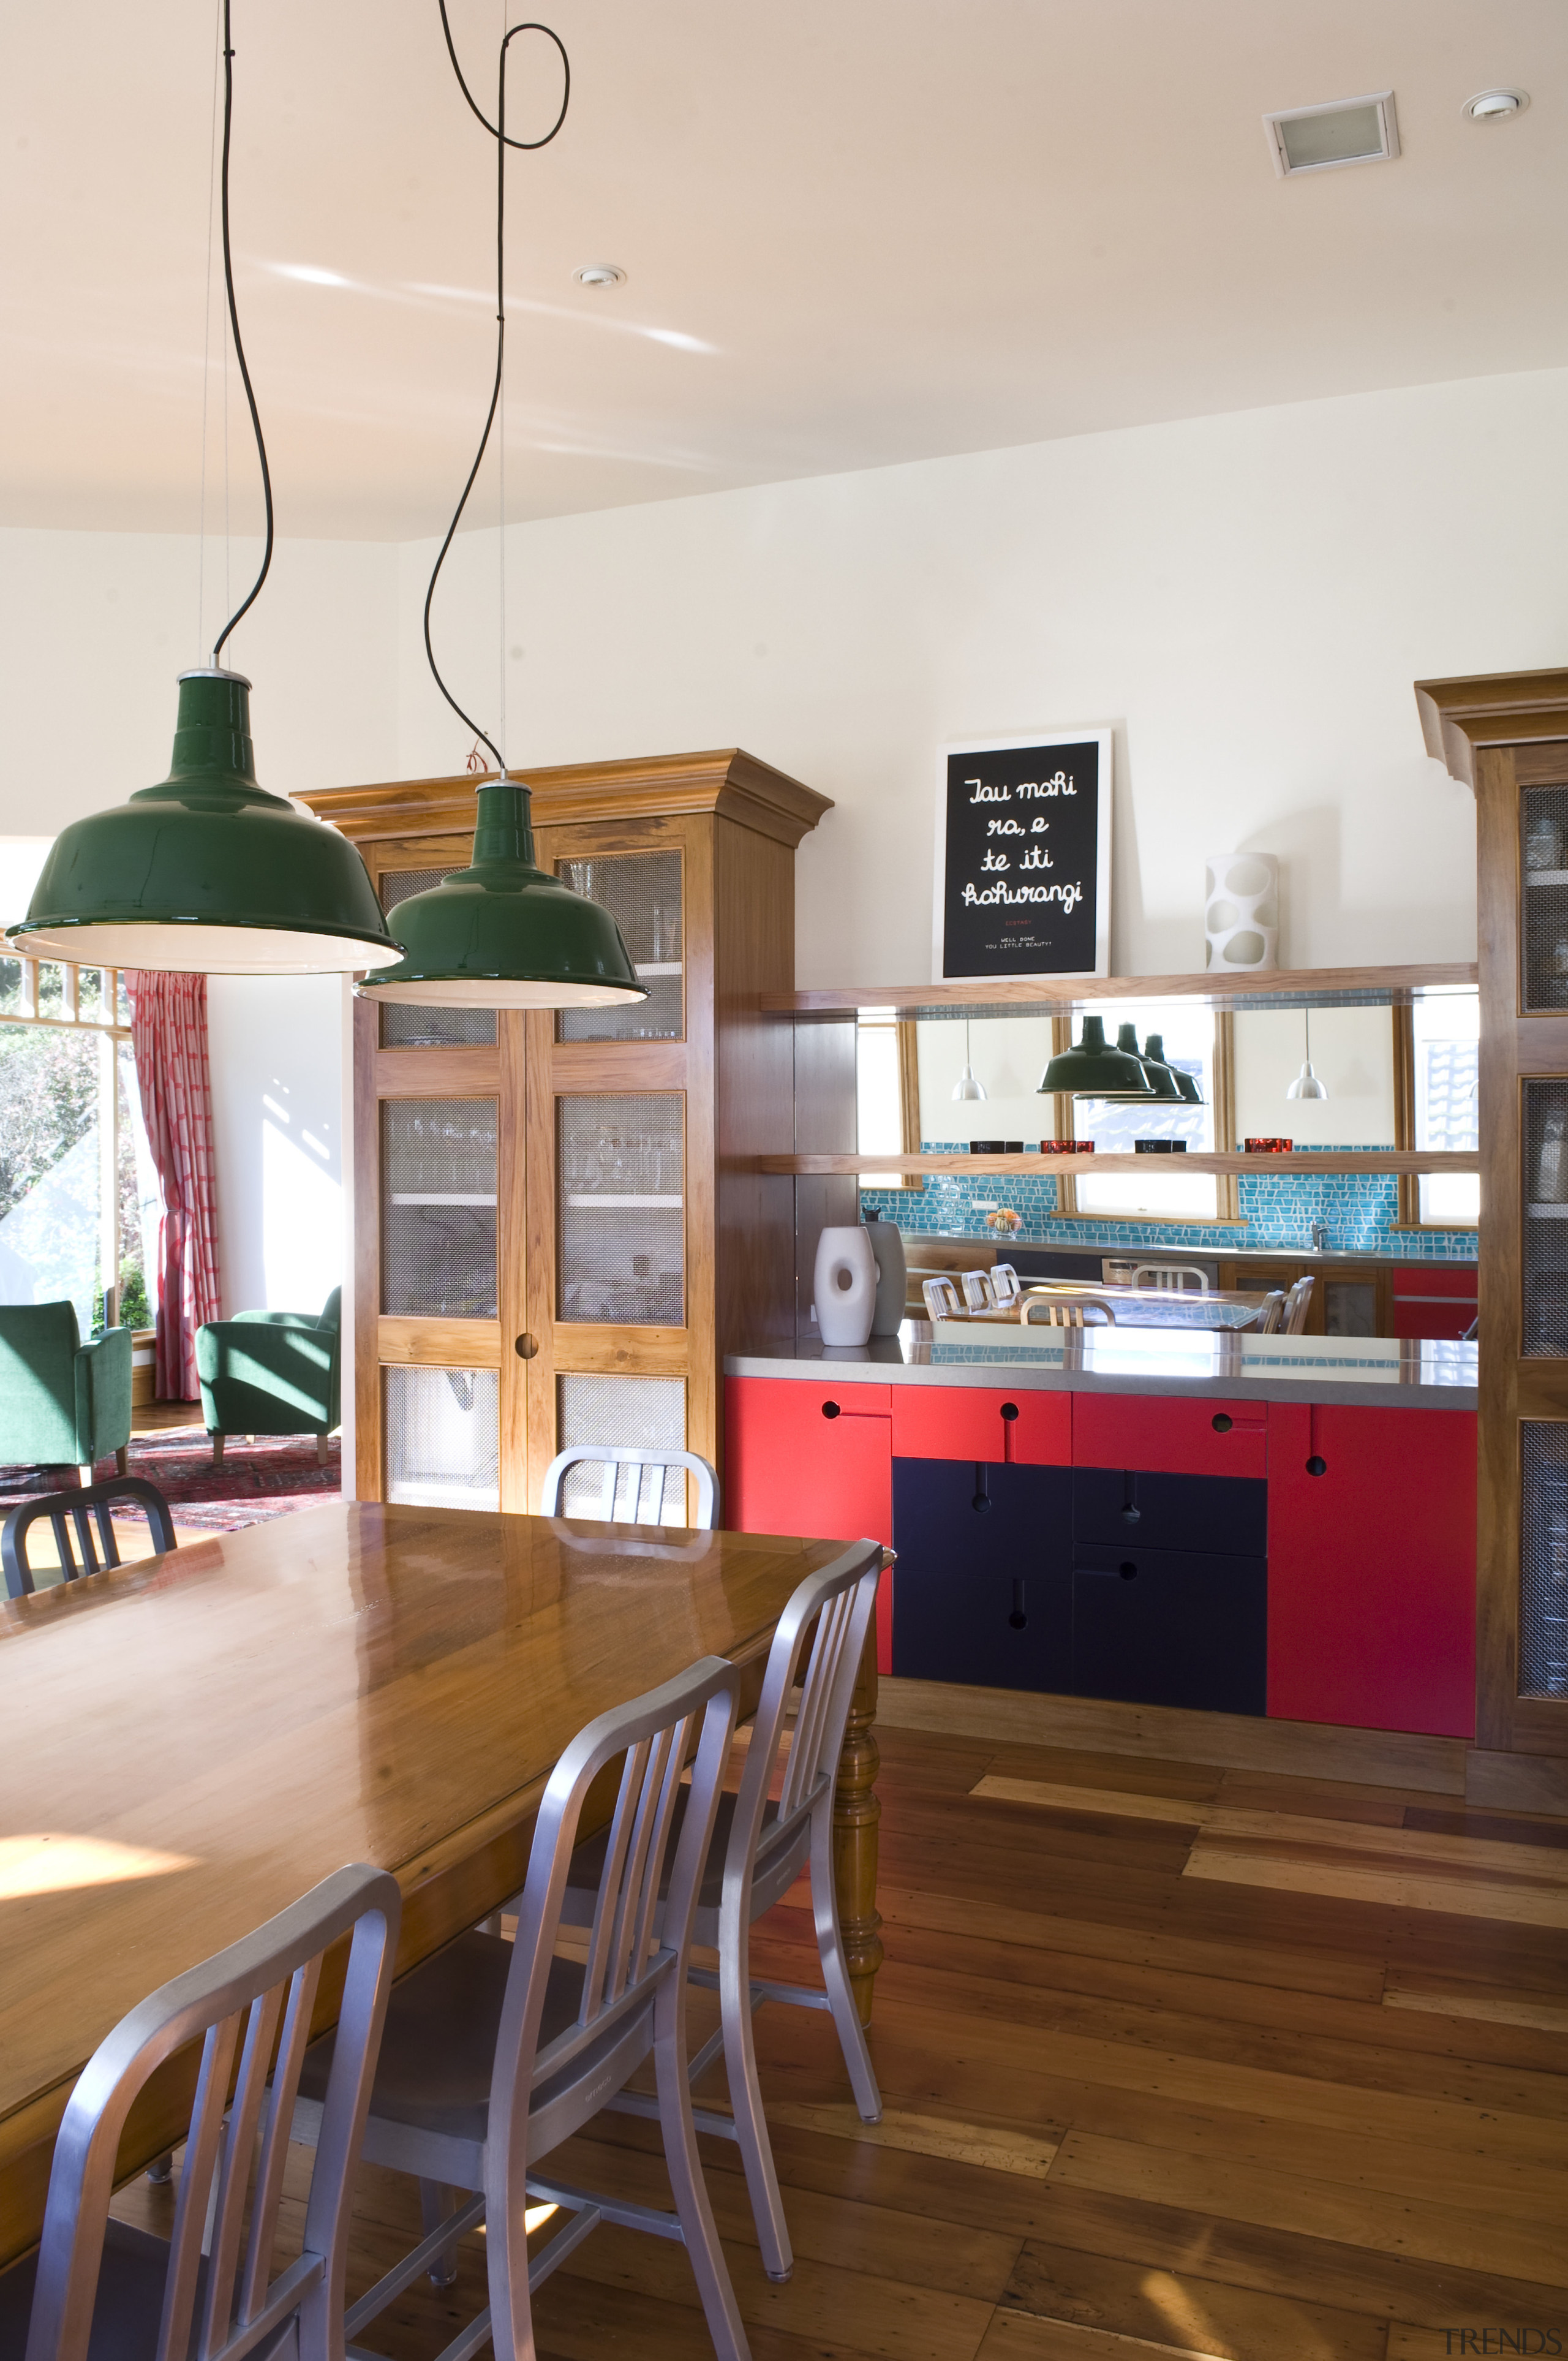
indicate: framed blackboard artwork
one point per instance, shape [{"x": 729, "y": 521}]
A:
[{"x": 1023, "y": 884}]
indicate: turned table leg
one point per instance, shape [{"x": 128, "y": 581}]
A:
[{"x": 856, "y": 1811}]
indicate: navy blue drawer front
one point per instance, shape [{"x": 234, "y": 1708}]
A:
[
  {"x": 1223, "y": 1513},
  {"x": 982, "y": 1588},
  {"x": 1170, "y": 1626}
]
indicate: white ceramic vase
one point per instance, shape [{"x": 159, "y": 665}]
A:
[
  {"x": 887, "y": 1244},
  {"x": 845, "y": 1285},
  {"x": 1241, "y": 910}
]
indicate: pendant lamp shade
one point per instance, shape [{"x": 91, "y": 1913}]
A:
[
  {"x": 1091, "y": 1069},
  {"x": 207, "y": 872},
  {"x": 1186, "y": 1084},
  {"x": 1306, "y": 1084},
  {"x": 504, "y": 933},
  {"x": 967, "y": 1086},
  {"x": 1162, "y": 1089}
]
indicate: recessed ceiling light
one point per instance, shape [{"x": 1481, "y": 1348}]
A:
[
  {"x": 599, "y": 274},
  {"x": 1495, "y": 105},
  {"x": 1343, "y": 131}
]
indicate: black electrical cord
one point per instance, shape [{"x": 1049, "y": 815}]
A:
[
  {"x": 497, "y": 132},
  {"x": 239, "y": 349}
]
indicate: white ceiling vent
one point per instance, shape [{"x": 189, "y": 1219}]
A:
[{"x": 1345, "y": 131}]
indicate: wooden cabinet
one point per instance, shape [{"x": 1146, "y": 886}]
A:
[
  {"x": 1507, "y": 737},
  {"x": 1372, "y": 1567},
  {"x": 559, "y": 1227}
]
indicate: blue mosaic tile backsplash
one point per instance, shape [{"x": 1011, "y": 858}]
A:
[{"x": 1358, "y": 1209}]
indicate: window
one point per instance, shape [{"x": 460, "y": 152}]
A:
[
  {"x": 1443, "y": 1067},
  {"x": 887, "y": 1094},
  {"x": 1189, "y": 1033},
  {"x": 79, "y": 1197}
]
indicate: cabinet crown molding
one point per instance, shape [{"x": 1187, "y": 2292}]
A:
[
  {"x": 1499, "y": 708},
  {"x": 728, "y": 782}
]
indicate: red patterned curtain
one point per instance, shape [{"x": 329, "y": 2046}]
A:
[{"x": 169, "y": 1033}]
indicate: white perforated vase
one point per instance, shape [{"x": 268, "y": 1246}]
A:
[
  {"x": 1241, "y": 910},
  {"x": 845, "y": 1285}
]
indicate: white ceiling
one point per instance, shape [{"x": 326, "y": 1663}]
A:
[{"x": 888, "y": 228}]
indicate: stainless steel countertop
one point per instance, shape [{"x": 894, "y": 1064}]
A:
[{"x": 1374, "y": 1372}]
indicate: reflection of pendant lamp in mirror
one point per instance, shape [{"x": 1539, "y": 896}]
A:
[
  {"x": 966, "y": 1087},
  {"x": 1162, "y": 1087},
  {"x": 1306, "y": 1084},
  {"x": 208, "y": 872},
  {"x": 503, "y": 933},
  {"x": 1093, "y": 1069},
  {"x": 1185, "y": 1083}
]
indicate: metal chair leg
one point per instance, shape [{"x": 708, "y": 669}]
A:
[
  {"x": 435, "y": 2203},
  {"x": 698, "y": 2229},
  {"x": 835, "y": 1968},
  {"x": 161, "y": 2169},
  {"x": 746, "y": 2100}
]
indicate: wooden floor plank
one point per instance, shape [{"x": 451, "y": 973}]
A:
[{"x": 1107, "y": 2296}]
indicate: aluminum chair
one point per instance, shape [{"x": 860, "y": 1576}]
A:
[
  {"x": 1178, "y": 1275},
  {"x": 758, "y": 1850},
  {"x": 80, "y": 1511},
  {"x": 1298, "y": 1303},
  {"x": 1005, "y": 1283},
  {"x": 100, "y": 2285},
  {"x": 1067, "y": 1311},
  {"x": 977, "y": 1291},
  {"x": 942, "y": 1301},
  {"x": 1270, "y": 1313},
  {"x": 636, "y": 1484},
  {"x": 496, "y": 2052}
]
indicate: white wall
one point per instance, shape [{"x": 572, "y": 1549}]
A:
[
  {"x": 1353, "y": 1056},
  {"x": 274, "y": 1049},
  {"x": 1247, "y": 598}
]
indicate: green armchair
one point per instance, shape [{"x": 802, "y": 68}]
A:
[
  {"x": 63, "y": 1403},
  {"x": 272, "y": 1373}
]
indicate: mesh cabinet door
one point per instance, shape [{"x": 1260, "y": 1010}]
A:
[
  {"x": 619, "y": 1168},
  {"x": 1545, "y": 1177},
  {"x": 443, "y": 1437},
  {"x": 1543, "y": 1558},
  {"x": 438, "y": 1209},
  {"x": 644, "y": 1413},
  {"x": 642, "y": 891},
  {"x": 1543, "y": 917}
]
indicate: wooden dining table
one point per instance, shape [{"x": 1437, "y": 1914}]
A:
[{"x": 193, "y": 1741}]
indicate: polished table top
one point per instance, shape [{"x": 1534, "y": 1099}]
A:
[
  {"x": 1149, "y": 1307},
  {"x": 193, "y": 1741}
]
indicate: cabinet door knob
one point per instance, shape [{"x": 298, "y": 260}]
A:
[
  {"x": 1009, "y": 1410},
  {"x": 830, "y": 1410},
  {"x": 526, "y": 1346},
  {"x": 1220, "y": 1423},
  {"x": 1316, "y": 1466}
]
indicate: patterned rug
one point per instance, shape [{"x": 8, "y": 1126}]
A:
[{"x": 257, "y": 1482}]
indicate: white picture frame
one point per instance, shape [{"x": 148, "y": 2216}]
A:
[{"x": 1044, "y": 744}]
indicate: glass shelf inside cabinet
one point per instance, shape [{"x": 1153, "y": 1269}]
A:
[
  {"x": 1544, "y": 919},
  {"x": 1545, "y": 1336},
  {"x": 642, "y": 893},
  {"x": 438, "y": 1209},
  {"x": 620, "y": 1168}
]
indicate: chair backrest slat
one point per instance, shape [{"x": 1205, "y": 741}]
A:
[
  {"x": 636, "y": 1484},
  {"x": 72, "y": 1513},
  {"x": 1067, "y": 1311},
  {"x": 941, "y": 1299},
  {"x": 233, "y": 2004},
  {"x": 1006, "y": 1285}
]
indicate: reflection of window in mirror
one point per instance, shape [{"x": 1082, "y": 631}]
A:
[
  {"x": 1440, "y": 1035},
  {"x": 887, "y": 1093},
  {"x": 1190, "y": 1036},
  {"x": 1353, "y": 1056}
]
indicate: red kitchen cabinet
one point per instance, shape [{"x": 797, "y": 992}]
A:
[
  {"x": 804, "y": 1457},
  {"x": 1372, "y": 1567},
  {"x": 1426, "y": 1299},
  {"x": 1028, "y": 1428},
  {"x": 1175, "y": 1436}
]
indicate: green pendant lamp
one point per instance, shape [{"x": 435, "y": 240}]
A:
[
  {"x": 207, "y": 872},
  {"x": 1162, "y": 1083},
  {"x": 1185, "y": 1083},
  {"x": 1093, "y": 1069},
  {"x": 502, "y": 933}
]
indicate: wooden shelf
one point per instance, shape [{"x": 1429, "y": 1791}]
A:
[
  {"x": 1311, "y": 1160},
  {"x": 1314, "y": 987}
]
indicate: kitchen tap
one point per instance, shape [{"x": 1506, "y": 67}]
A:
[{"x": 1320, "y": 1237}]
